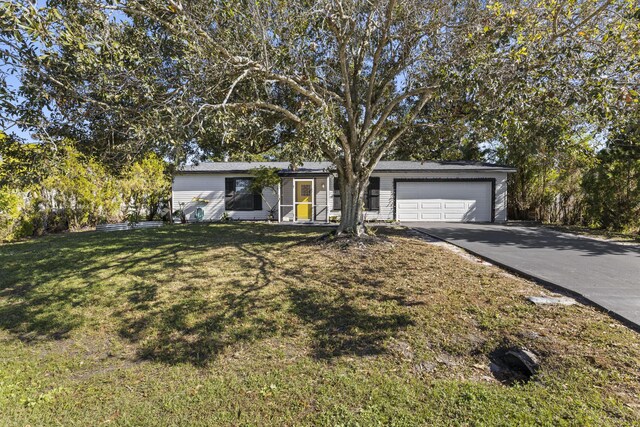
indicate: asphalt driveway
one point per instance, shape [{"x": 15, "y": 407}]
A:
[{"x": 607, "y": 274}]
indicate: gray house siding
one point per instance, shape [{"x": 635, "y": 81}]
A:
[
  {"x": 387, "y": 197},
  {"x": 320, "y": 199},
  {"x": 207, "y": 181},
  {"x": 211, "y": 188}
]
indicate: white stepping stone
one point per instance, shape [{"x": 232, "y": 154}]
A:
[{"x": 552, "y": 300}]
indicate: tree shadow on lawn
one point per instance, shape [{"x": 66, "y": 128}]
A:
[
  {"x": 340, "y": 328},
  {"x": 249, "y": 311},
  {"x": 47, "y": 283},
  {"x": 197, "y": 328},
  {"x": 200, "y": 319}
]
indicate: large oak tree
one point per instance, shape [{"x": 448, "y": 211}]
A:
[{"x": 345, "y": 80}]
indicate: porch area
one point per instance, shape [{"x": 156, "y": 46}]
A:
[{"x": 304, "y": 198}]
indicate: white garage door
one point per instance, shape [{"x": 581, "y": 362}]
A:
[{"x": 444, "y": 201}]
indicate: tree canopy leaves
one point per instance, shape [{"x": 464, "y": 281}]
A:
[{"x": 351, "y": 81}]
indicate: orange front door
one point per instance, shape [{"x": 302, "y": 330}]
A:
[{"x": 304, "y": 200}]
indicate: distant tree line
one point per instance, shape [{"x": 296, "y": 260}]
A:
[
  {"x": 45, "y": 189},
  {"x": 574, "y": 176},
  {"x": 550, "y": 87}
]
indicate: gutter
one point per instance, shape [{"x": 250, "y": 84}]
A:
[{"x": 320, "y": 173}]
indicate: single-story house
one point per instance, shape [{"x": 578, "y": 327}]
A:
[{"x": 398, "y": 190}]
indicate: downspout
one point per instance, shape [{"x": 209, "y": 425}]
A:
[
  {"x": 278, "y": 201},
  {"x": 326, "y": 197}
]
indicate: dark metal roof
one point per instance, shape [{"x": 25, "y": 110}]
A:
[
  {"x": 244, "y": 167},
  {"x": 327, "y": 167}
]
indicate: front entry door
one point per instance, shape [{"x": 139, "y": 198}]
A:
[{"x": 304, "y": 200}]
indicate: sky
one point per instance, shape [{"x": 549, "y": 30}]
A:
[{"x": 12, "y": 83}]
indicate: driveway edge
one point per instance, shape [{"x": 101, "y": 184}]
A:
[{"x": 554, "y": 287}]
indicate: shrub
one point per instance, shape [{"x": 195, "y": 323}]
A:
[
  {"x": 10, "y": 206},
  {"x": 44, "y": 190},
  {"x": 146, "y": 186}
]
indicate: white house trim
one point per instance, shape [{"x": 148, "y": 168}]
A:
[{"x": 207, "y": 181}]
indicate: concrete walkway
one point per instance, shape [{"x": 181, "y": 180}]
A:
[{"x": 604, "y": 273}]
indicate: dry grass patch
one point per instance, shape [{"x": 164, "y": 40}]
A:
[
  {"x": 261, "y": 324},
  {"x": 628, "y": 237}
]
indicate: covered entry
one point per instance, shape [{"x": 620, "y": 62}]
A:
[
  {"x": 445, "y": 200},
  {"x": 304, "y": 199}
]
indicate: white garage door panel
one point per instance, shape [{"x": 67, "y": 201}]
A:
[
  {"x": 456, "y": 205},
  {"x": 409, "y": 208},
  {"x": 444, "y": 201},
  {"x": 430, "y": 216},
  {"x": 431, "y": 205}
]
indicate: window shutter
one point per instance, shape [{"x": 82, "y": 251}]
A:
[
  {"x": 372, "y": 201},
  {"x": 374, "y": 183},
  {"x": 229, "y": 192},
  {"x": 257, "y": 202},
  {"x": 337, "y": 204}
]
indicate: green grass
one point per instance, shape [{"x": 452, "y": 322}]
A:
[{"x": 256, "y": 324}]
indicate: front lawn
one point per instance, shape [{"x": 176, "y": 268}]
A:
[{"x": 256, "y": 324}]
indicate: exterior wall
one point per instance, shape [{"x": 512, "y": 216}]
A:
[
  {"x": 320, "y": 199},
  {"x": 387, "y": 198},
  {"x": 211, "y": 187}
]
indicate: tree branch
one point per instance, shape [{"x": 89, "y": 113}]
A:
[
  {"x": 382, "y": 149},
  {"x": 375, "y": 62},
  {"x": 255, "y": 105},
  {"x": 389, "y": 109}
]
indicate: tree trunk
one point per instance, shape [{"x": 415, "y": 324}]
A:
[
  {"x": 351, "y": 199},
  {"x": 152, "y": 210}
]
